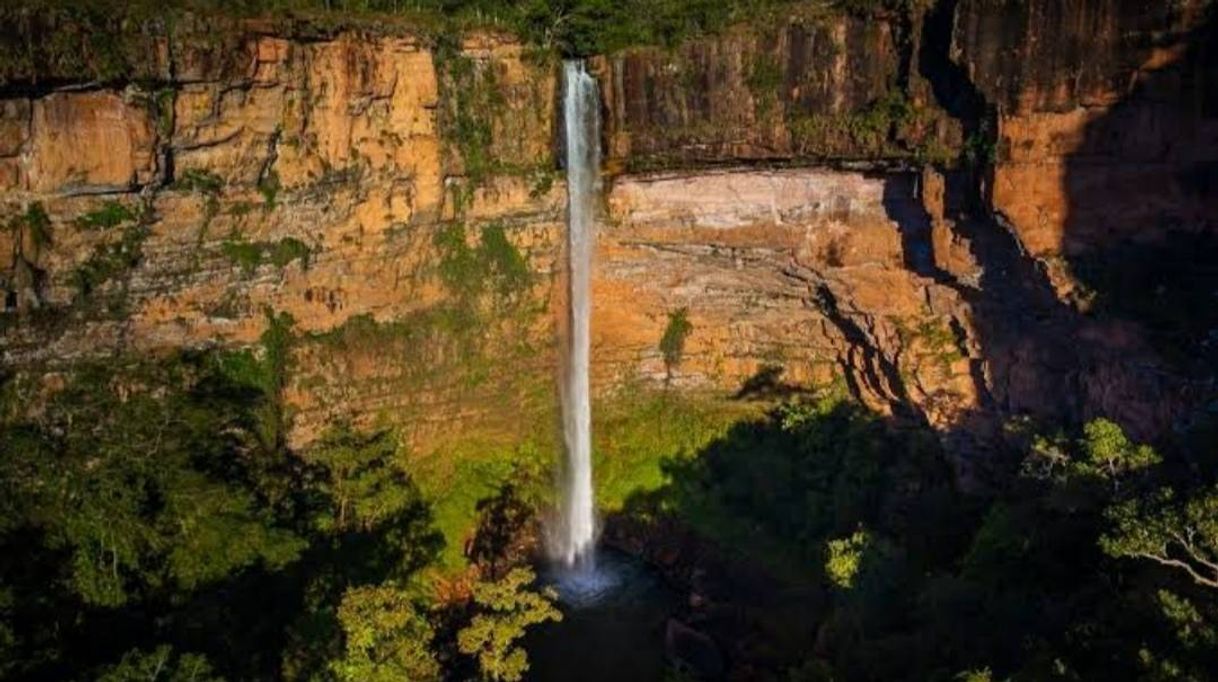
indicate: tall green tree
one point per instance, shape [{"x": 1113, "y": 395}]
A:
[
  {"x": 363, "y": 478},
  {"x": 387, "y": 635},
  {"x": 1174, "y": 531},
  {"x": 507, "y": 609},
  {"x": 160, "y": 665}
]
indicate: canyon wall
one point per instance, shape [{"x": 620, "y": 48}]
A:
[{"x": 888, "y": 204}]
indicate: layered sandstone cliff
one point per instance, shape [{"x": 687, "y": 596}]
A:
[{"x": 402, "y": 202}]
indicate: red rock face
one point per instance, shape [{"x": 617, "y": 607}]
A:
[{"x": 1107, "y": 128}]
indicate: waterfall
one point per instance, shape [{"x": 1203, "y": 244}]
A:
[{"x": 581, "y": 109}]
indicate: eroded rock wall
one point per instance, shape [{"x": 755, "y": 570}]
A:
[{"x": 316, "y": 178}]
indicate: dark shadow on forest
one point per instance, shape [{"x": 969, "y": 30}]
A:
[
  {"x": 935, "y": 581},
  {"x": 762, "y": 501}
]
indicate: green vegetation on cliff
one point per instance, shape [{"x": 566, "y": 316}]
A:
[{"x": 116, "y": 40}]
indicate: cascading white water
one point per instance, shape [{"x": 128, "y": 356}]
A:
[{"x": 576, "y": 534}]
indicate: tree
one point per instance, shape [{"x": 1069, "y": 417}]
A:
[
  {"x": 1179, "y": 534},
  {"x": 362, "y": 476},
  {"x": 846, "y": 557},
  {"x": 1192, "y": 649},
  {"x": 501, "y": 518},
  {"x": 370, "y": 525},
  {"x": 508, "y": 609},
  {"x": 1110, "y": 454},
  {"x": 1103, "y": 453},
  {"x": 130, "y": 473},
  {"x": 160, "y": 665},
  {"x": 387, "y": 638}
]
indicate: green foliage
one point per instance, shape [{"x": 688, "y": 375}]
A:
[
  {"x": 109, "y": 40},
  {"x": 458, "y": 479},
  {"x": 845, "y": 558},
  {"x": 870, "y": 130},
  {"x": 363, "y": 478},
  {"x": 584, "y": 27},
  {"x": 1110, "y": 453},
  {"x": 1180, "y": 534},
  {"x": 373, "y": 533},
  {"x": 1103, "y": 454},
  {"x": 765, "y": 81},
  {"x": 110, "y": 260},
  {"x": 31, "y": 231},
  {"x": 252, "y": 255},
  {"x": 388, "y": 637},
  {"x": 199, "y": 180},
  {"x": 915, "y": 567},
  {"x": 638, "y": 430},
  {"x": 160, "y": 665},
  {"x": 137, "y": 506},
  {"x": 263, "y": 374},
  {"x": 475, "y": 97},
  {"x": 1192, "y": 643},
  {"x": 143, "y": 500},
  {"x": 111, "y": 214},
  {"x": 269, "y": 186},
  {"x": 672, "y": 343},
  {"x": 812, "y": 471},
  {"x": 38, "y": 223},
  {"x": 932, "y": 337},
  {"x": 765, "y": 76},
  {"x": 162, "y": 107},
  {"x": 502, "y": 520},
  {"x": 507, "y": 609},
  {"x": 493, "y": 266}
]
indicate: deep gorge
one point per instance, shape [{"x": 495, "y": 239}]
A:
[{"x": 866, "y": 278}]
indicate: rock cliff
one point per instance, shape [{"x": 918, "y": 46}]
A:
[{"x": 893, "y": 203}]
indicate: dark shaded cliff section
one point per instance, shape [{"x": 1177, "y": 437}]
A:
[
  {"x": 1054, "y": 55},
  {"x": 1106, "y": 117}
]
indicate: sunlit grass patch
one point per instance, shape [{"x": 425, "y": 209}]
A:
[{"x": 635, "y": 430}]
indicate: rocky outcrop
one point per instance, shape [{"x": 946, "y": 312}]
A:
[{"x": 787, "y": 277}]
